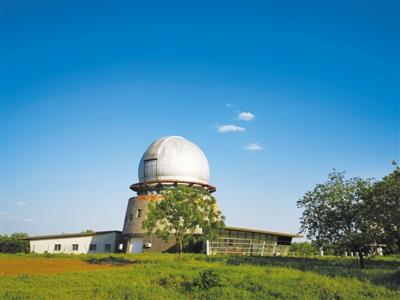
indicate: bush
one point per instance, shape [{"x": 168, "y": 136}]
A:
[
  {"x": 207, "y": 280},
  {"x": 303, "y": 249},
  {"x": 14, "y": 243}
]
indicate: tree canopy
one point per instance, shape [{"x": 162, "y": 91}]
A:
[
  {"x": 14, "y": 243},
  {"x": 336, "y": 213},
  {"x": 183, "y": 212},
  {"x": 385, "y": 198}
]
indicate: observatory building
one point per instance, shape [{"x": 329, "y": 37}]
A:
[{"x": 167, "y": 162}]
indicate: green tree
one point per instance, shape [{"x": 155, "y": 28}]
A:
[
  {"x": 14, "y": 243},
  {"x": 384, "y": 196},
  {"x": 336, "y": 214},
  {"x": 183, "y": 212},
  {"x": 304, "y": 249}
]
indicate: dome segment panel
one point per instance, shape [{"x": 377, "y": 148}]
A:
[{"x": 174, "y": 158}]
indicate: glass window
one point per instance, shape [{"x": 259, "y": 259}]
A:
[
  {"x": 92, "y": 247},
  {"x": 57, "y": 247},
  {"x": 150, "y": 168},
  {"x": 75, "y": 247},
  {"x": 107, "y": 247},
  {"x": 241, "y": 235}
]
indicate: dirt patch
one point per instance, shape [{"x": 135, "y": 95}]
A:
[{"x": 16, "y": 266}]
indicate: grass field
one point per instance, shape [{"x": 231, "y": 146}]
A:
[{"x": 162, "y": 276}]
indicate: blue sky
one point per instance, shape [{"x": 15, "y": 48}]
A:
[{"x": 87, "y": 87}]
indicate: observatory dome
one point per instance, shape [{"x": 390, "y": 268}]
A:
[{"x": 173, "y": 158}]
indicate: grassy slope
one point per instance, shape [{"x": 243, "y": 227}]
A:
[{"x": 161, "y": 276}]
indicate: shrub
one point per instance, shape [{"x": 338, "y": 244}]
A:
[
  {"x": 304, "y": 249},
  {"x": 14, "y": 243},
  {"x": 207, "y": 280}
]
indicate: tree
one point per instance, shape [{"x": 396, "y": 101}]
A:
[
  {"x": 304, "y": 249},
  {"x": 385, "y": 198},
  {"x": 14, "y": 243},
  {"x": 183, "y": 212},
  {"x": 336, "y": 214}
]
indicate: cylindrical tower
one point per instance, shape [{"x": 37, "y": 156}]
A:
[{"x": 167, "y": 161}]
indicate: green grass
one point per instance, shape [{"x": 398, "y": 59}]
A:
[{"x": 162, "y": 276}]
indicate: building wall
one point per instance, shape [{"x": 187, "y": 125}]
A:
[
  {"x": 133, "y": 221},
  {"x": 231, "y": 240},
  {"x": 83, "y": 242},
  {"x": 159, "y": 245}
]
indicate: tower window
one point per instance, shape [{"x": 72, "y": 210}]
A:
[
  {"x": 130, "y": 217},
  {"x": 139, "y": 213}
]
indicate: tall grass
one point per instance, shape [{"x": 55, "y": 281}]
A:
[{"x": 162, "y": 276}]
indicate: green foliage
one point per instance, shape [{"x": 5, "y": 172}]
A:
[
  {"x": 303, "y": 249},
  {"x": 108, "y": 260},
  {"x": 384, "y": 198},
  {"x": 353, "y": 214},
  {"x": 14, "y": 243},
  {"x": 207, "y": 280},
  {"x": 184, "y": 211},
  {"x": 336, "y": 213},
  {"x": 161, "y": 276}
]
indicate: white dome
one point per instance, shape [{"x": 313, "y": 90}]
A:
[{"x": 174, "y": 158}]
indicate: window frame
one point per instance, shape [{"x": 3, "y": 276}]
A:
[{"x": 106, "y": 246}]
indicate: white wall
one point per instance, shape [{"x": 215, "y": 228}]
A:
[
  {"x": 136, "y": 245},
  {"x": 47, "y": 245}
]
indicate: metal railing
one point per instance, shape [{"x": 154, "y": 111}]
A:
[{"x": 246, "y": 247}]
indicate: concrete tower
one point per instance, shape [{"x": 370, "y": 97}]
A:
[{"x": 168, "y": 161}]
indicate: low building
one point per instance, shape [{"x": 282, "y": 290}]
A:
[
  {"x": 245, "y": 241},
  {"x": 77, "y": 243}
]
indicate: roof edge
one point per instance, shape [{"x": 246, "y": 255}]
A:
[
  {"x": 294, "y": 235},
  {"x": 67, "y": 235}
]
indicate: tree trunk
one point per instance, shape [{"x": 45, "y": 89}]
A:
[
  {"x": 180, "y": 249},
  {"x": 361, "y": 259}
]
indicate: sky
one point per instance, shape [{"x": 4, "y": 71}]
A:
[{"x": 276, "y": 94}]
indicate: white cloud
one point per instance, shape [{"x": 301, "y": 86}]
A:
[
  {"x": 230, "y": 128},
  {"x": 28, "y": 220},
  {"x": 229, "y": 105},
  {"x": 20, "y": 203},
  {"x": 246, "y": 116},
  {"x": 253, "y": 147}
]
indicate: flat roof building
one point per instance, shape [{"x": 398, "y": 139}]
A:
[{"x": 78, "y": 243}]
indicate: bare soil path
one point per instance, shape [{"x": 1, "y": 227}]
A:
[{"x": 22, "y": 265}]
